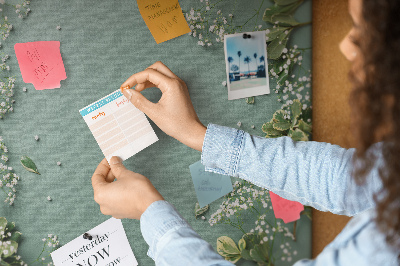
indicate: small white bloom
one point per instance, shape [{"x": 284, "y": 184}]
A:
[
  {"x": 58, "y": 27},
  {"x": 58, "y": 163},
  {"x": 48, "y": 198},
  {"x": 239, "y": 124},
  {"x": 36, "y": 137},
  {"x": 24, "y": 89},
  {"x": 224, "y": 83}
]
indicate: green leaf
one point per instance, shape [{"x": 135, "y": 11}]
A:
[
  {"x": 296, "y": 109},
  {"x": 276, "y": 32},
  {"x": 307, "y": 212},
  {"x": 279, "y": 116},
  {"x": 256, "y": 254},
  {"x": 298, "y": 135},
  {"x": 306, "y": 114},
  {"x": 280, "y": 10},
  {"x": 10, "y": 226},
  {"x": 250, "y": 100},
  {"x": 16, "y": 236},
  {"x": 3, "y": 263},
  {"x": 233, "y": 258},
  {"x": 286, "y": 2},
  {"x": 3, "y": 223},
  {"x": 303, "y": 126},
  {"x": 7, "y": 250},
  {"x": 29, "y": 165},
  {"x": 246, "y": 254},
  {"x": 275, "y": 48},
  {"x": 227, "y": 245},
  {"x": 242, "y": 244},
  {"x": 199, "y": 211},
  {"x": 282, "y": 126},
  {"x": 269, "y": 129},
  {"x": 282, "y": 77},
  {"x": 284, "y": 20}
]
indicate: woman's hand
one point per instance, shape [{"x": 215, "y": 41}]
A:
[
  {"x": 128, "y": 196},
  {"x": 174, "y": 113}
]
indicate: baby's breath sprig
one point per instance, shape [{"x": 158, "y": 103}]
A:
[
  {"x": 50, "y": 243},
  {"x": 8, "y": 179},
  {"x": 210, "y": 25},
  {"x": 7, "y": 92}
]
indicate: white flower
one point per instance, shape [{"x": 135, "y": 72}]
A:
[
  {"x": 224, "y": 83},
  {"x": 58, "y": 27},
  {"x": 252, "y": 126},
  {"x": 24, "y": 89},
  {"x": 36, "y": 137},
  {"x": 49, "y": 199},
  {"x": 285, "y": 50},
  {"x": 58, "y": 163}
]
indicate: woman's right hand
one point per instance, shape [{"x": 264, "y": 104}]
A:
[{"x": 173, "y": 113}]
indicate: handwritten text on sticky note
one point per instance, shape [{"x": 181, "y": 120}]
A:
[
  {"x": 164, "y": 18},
  {"x": 41, "y": 64},
  {"x": 287, "y": 210},
  {"x": 209, "y": 186},
  {"x": 109, "y": 246}
]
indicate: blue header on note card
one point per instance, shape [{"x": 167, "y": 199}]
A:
[{"x": 100, "y": 103}]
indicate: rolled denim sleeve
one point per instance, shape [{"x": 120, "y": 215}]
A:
[
  {"x": 313, "y": 173},
  {"x": 172, "y": 241}
]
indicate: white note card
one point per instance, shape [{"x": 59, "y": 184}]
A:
[
  {"x": 108, "y": 247},
  {"x": 118, "y": 126}
]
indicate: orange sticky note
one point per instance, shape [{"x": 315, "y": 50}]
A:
[
  {"x": 41, "y": 64},
  {"x": 164, "y": 18},
  {"x": 287, "y": 210}
]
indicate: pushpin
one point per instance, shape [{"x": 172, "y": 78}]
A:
[
  {"x": 87, "y": 236},
  {"x": 246, "y": 36}
]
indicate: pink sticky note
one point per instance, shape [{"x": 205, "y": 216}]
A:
[
  {"x": 287, "y": 210},
  {"x": 41, "y": 63}
]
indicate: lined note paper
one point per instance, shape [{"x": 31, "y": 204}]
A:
[{"x": 118, "y": 126}]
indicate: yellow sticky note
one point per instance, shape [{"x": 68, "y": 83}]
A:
[{"x": 164, "y": 18}]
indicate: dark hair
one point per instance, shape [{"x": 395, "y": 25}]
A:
[{"x": 376, "y": 106}]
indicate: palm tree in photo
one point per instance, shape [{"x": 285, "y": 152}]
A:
[
  {"x": 262, "y": 59},
  {"x": 230, "y": 59},
  {"x": 255, "y": 58},
  {"x": 247, "y": 60},
  {"x": 239, "y": 55}
]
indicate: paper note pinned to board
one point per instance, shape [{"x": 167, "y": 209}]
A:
[
  {"x": 287, "y": 210},
  {"x": 108, "y": 246},
  {"x": 209, "y": 186},
  {"x": 118, "y": 126},
  {"x": 41, "y": 64},
  {"x": 164, "y": 18}
]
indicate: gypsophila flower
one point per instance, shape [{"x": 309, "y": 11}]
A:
[
  {"x": 49, "y": 198},
  {"x": 24, "y": 89},
  {"x": 36, "y": 137},
  {"x": 8, "y": 179},
  {"x": 59, "y": 163},
  {"x": 224, "y": 83},
  {"x": 58, "y": 27},
  {"x": 239, "y": 124}
]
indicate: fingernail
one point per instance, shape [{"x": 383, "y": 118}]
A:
[
  {"x": 127, "y": 93},
  {"x": 115, "y": 160},
  {"x": 124, "y": 88}
]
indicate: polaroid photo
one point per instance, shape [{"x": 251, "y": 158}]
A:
[{"x": 246, "y": 64}]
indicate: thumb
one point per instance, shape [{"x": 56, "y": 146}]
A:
[
  {"x": 138, "y": 100},
  {"x": 117, "y": 167}
]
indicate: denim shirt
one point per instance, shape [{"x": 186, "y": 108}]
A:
[{"x": 312, "y": 173}]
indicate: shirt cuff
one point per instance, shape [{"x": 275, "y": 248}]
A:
[
  {"x": 222, "y": 148},
  {"x": 158, "y": 219}
]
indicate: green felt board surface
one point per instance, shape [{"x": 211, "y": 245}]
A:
[{"x": 102, "y": 44}]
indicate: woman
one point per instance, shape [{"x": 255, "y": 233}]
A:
[{"x": 363, "y": 183}]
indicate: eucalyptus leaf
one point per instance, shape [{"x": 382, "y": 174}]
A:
[
  {"x": 29, "y": 165},
  {"x": 250, "y": 100},
  {"x": 298, "y": 135},
  {"x": 303, "y": 126},
  {"x": 282, "y": 77},
  {"x": 280, "y": 10},
  {"x": 3, "y": 263},
  {"x": 199, "y": 211},
  {"x": 227, "y": 245},
  {"x": 296, "y": 109}
]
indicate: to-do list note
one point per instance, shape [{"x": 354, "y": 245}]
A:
[{"x": 118, "y": 126}]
